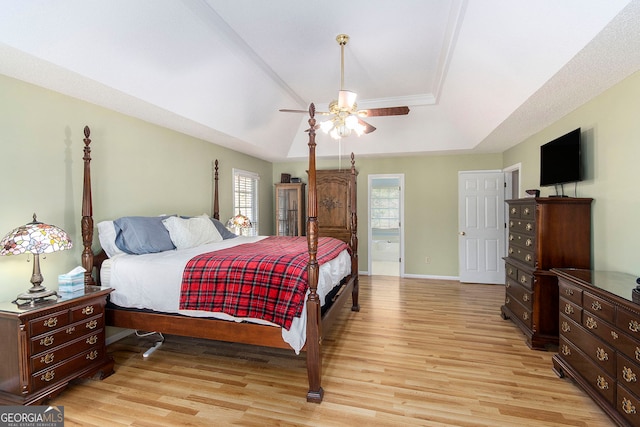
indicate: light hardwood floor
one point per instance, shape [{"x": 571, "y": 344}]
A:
[{"x": 419, "y": 353}]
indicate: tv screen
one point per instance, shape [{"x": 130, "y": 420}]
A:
[{"x": 560, "y": 160}]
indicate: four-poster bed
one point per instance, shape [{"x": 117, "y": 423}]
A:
[{"x": 318, "y": 321}]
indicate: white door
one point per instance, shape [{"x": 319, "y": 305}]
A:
[{"x": 481, "y": 226}]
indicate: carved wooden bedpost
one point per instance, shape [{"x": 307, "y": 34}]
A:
[
  {"x": 314, "y": 325},
  {"x": 216, "y": 207},
  {"x": 87, "y": 212},
  {"x": 353, "y": 242}
]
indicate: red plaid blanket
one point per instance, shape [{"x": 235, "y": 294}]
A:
[{"x": 266, "y": 279}]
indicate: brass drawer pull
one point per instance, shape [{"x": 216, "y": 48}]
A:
[
  {"x": 637, "y": 352},
  {"x": 602, "y": 383},
  {"x": 628, "y": 375},
  {"x": 47, "y": 341},
  {"x": 526, "y": 211},
  {"x": 525, "y": 316},
  {"x": 634, "y": 326},
  {"x": 568, "y": 291},
  {"x": 602, "y": 355},
  {"x": 508, "y": 285},
  {"x": 510, "y": 251},
  {"x": 566, "y": 327},
  {"x": 528, "y": 257},
  {"x": 510, "y": 224},
  {"x": 523, "y": 279},
  {"x": 525, "y": 297},
  {"x": 47, "y": 358},
  {"x": 529, "y": 242},
  {"x": 92, "y": 339},
  {"x": 614, "y": 335},
  {"x": 627, "y": 406},
  {"x": 510, "y": 271},
  {"x": 48, "y": 376},
  {"x": 71, "y": 330},
  {"x": 92, "y": 325},
  {"x": 529, "y": 226},
  {"x": 511, "y": 237},
  {"x": 568, "y": 309},
  {"x": 507, "y": 300},
  {"x": 93, "y": 355},
  {"x": 596, "y": 305},
  {"x": 591, "y": 323},
  {"x": 50, "y": 323},
  {"x": 513, "y": 211},
  {"x": 88, "y": 310},
  {"x": 566, "y": 350}
]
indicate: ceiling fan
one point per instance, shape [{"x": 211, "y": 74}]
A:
[{"x": 346, "y": 118}]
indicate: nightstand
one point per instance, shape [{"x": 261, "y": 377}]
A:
[{"x": 46, "y": 346}]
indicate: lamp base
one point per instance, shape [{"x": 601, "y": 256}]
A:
[{"x": 33, "y": 297}]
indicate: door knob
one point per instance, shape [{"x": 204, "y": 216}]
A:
[{"x": 462, "y": 233}]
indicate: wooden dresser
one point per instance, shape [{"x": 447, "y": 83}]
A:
[
  {"x": 600, "y": 339},
  {"x": 336, "y": 193},
  {"x": 543, "y": 233},
  {"x": 46, "y": 346}
]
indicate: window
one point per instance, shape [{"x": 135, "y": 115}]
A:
[
  {"x": 385, "y": 207},
  {"x": 245, "y": 198}
]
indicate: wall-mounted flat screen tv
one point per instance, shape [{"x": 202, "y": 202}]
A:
[{"x": 560, "y": 160}]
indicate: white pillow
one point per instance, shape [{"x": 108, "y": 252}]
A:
[
  {"x": 191, "y": 232},
  {"x": 107, "y": 238}
]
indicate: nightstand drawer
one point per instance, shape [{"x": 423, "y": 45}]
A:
[
  {"x": 61, "y": 336},
  {"x": 59, "y": 354},
  {"x": 86, "y": 311},
  {"x": 66, "y": 368},
  {"x": 48, "y": 323}
]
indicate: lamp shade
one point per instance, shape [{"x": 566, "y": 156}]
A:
[
  {"x": 36, "y": 238},
  {"x": 239, "y": 221}
]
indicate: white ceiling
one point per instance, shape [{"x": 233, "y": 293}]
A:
[{"x": 478, "y": 75}]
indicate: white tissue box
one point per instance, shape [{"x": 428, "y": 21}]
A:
[{"x": 72, "y": 281}]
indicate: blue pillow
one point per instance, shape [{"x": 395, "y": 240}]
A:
[
  {"x": 139, "y": 235},
  {"x": 224, "y": 231}
]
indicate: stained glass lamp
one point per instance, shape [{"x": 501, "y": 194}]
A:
[
  {"x": 36, "y": 238},
  {"x": 238, "y": 223}
]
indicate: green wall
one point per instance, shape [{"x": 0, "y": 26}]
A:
[
  {"x": 431, "y": 203},
  {"x": 610, "y": 126},
  {"x": 137, "y": 169}
]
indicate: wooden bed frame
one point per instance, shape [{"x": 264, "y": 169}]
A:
[{"x": 247, "y": 333}]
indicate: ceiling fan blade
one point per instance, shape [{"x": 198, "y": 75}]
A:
[
  {"x": 389, "y": 111},
  {"x": 367, "y": 127},
  {"x": 285, "y": 110}
]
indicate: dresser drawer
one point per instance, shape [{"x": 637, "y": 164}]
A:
[
  {"x": 524, "y": 255},
  {"x": 48, "y": 323},
  {"x": 520, "y": 294},
  {"x": 511, "y": 271},
  {"x": 51, "y": 340},
  {"x": 571, "y": 310},
  {"x": 628, "y": 405},
  {"x": 521, "y": 312},
  {"x": 628, "y": 373},
  {"x": 602, "y": 354},
  {"x": 600, "y": 328},
  {"x": 522, "y": 226},
  {"x": 598, "y": 379},
  {"x": 522, "y": 240},
  {"x": 60, "y": 353},
  {"x": 569, "y": 291},
  {"x": 601, "y": 308},
  {"x": 629, "y": 322}
]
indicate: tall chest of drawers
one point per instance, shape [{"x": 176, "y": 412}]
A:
[
  {"x": 544, "y": 233},
  {"x": 46, "y": 346},
  {"x": 600, "y": 339}
]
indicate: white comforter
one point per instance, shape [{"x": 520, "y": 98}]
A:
[{"x": 153, "y": 281}]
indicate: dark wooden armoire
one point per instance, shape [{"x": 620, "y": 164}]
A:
[{"x": 336, "y": 191}]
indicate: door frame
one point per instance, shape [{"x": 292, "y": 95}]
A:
[{"x": 400, "y": 177}]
